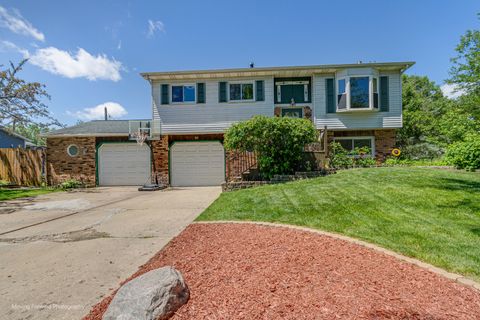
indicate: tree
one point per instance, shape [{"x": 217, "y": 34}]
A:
[
  {"x": 32, "y": 131},
  {"x": 423, "y": 105},
  {"x": 278, "y": 142},
  {"x": 21, "y": 101},
  {"x": 465, "y": 72}
]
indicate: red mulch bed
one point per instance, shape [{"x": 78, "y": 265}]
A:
[{"x": 246, "y": 271}]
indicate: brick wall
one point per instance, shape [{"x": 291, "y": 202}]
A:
[
  {"x": 61, "y": 166},
  {"x": 385, "y": 141},
  {"x": 160, "y": 159}
]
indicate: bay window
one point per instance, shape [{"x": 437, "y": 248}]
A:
[{"x": 357, "y": 93}]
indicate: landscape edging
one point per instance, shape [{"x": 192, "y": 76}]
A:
[{"x": 444, "y": 273}]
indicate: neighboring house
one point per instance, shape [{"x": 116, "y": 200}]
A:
[
  {"x": 360, "y": 104},
  {"x": 9, "y": 139}
]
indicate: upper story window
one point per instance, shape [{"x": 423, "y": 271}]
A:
[
  {"x": 292, "y": 90},
  {"x": 357, "y": 93},
  {"x": 241, "y": 91},
  {"x": 183, "y": 93}
]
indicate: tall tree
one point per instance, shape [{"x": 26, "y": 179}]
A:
[
  {"x": 423, "y": 105},
  {"x": 465, "y": 72},
  {"x": 21, "y": 102}
]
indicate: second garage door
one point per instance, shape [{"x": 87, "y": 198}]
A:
[{"x": 197, "y": 163}]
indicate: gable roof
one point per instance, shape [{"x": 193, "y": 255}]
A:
[
  {"x": 95, "y": 128},
  {"x": 273, "y": 71}
]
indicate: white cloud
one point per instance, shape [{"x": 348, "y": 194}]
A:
[
  {"x": 115, "y": 111},
  {"x": 154, "y": 26},
  {"x": 452, "y": 91},
  {"x": 16, "y": 23},
  {"x": 80, "y": 65},
  {"x": 7, "y": 45}
]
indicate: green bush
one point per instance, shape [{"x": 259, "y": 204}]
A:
[
  {"x": 343, "y": 159},
  {"x": 422, "y": 150},
  {"x": 278, "y": 142},
  {"x": 465, "y": 154},
  {"x": 339, "y": 157},
  {"x": 71, "y": 184}
]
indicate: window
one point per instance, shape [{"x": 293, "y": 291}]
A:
[
  {"x": 183, "y": 93},
  {"x": 292, "y": 112},
  {"x": 292, "y": 90},
  {"x": 241, "y": 91},
  {"x": 357, "y": 93},
  {"x": 72, "y": 150},
  {"x": 375, "y": 92},
  {"x": 342, "y": 94},
  {"x": 350, "y": 143}
]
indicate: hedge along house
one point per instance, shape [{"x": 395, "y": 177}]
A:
[{"x": 360, "y": 104}]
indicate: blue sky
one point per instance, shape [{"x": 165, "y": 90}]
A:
[{"x": 89, "y": 53}]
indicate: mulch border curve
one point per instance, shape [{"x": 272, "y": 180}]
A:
[{"x": 449, "y": 275}]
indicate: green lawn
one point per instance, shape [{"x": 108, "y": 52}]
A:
[
  {"x": 8, "y": 194},
  {"x": 429, "y": 214}
]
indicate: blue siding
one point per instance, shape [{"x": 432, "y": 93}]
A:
[{"x": 9, "y": 141}]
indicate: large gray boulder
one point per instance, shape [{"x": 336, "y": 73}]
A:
[{"x": 155, "y": 295}]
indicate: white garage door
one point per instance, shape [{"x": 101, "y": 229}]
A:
[
  {"x": 197, "y": 163},
  {"x": 123, "y": 164}
]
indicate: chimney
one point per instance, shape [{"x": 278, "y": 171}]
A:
[{"x": 106, "y": 114}]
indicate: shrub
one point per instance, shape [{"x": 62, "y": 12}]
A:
[
  {"x": 71, "y": 184},
  {"x": 465, "y": 154},
  {"x": 423, "y": 150},
  {"x": 278, "y": 142},
  {"x": 339, "y": 157},
  {"x": 342, "y": 159}
]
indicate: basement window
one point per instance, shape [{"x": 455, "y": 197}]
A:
[
  {"x": 350, "y": 143},
  {"x": 72, "y": 150}
]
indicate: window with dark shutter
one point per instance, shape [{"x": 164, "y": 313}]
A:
[
  {"x": 330, "y": 95},
  {"x": 165, "y": 99},
  {"x": 384, "y": 99},
  {"x": 222, "y": 92},
  {"x": 260, "y": 88},
  {"x": 200, "y": 92}
]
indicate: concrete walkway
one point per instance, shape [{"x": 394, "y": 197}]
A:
[{"x": 71, "y": 249}]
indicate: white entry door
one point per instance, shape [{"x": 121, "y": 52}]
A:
[
  {"x": 123, "y": 164},
  {"x": 197, "y": 163}
]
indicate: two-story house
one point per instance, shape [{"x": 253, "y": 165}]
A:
[{"x": 360, "y": 104}]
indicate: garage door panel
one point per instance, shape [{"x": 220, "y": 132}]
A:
[
  {"x": 197, "y": 163},
  {"x": 123, "y": 164}
]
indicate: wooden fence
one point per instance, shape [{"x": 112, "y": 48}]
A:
[{"x": 22, "y": 167}]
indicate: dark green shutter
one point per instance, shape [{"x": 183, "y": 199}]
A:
[
  {"x": 222, "y": 92},
  {"x": 330, "y": 95},
  {"x": 384, "y": 99},
  {"x": 259, "y": 85},
  {"x": 200, "y": 92},
  {"x": 165, "y": 99}
]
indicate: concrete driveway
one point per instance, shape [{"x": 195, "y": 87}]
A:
[{"x": 72, "y": 248}]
